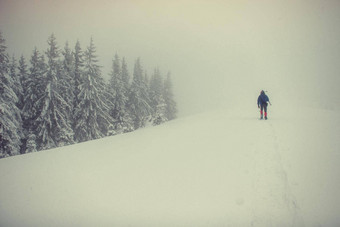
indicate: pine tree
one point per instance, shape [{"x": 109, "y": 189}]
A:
[
  {"x": 171, "y": 106},
  {"x": 35, "y": 90},
  {"x": 146, "y": 96},
  {"x": 34, "y": 85},
  {"x": 78, "y": 72},
  {"x": 129, "y": 126},
  {"x": 138, "y": 98},
  {"x": 118, "y": 92},
  {"x": 17, "y": 88},
  {"x": 31, "y": 143},
  {"x": 66, "y": 82},
  {"x": 92, "y": 113},
  {"x": 53, "y": 124},
  {"x": 23, "y": 77},
  {"x": 66, "y": 99},
  {"x": 125, "y": 76},
  {"x": 157, "y": 101},
  {"x": 10, "y": 118},
  {"x": 146, "y": 81}
]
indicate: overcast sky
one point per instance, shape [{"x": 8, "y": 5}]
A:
[{"x": 219, "y": 52}]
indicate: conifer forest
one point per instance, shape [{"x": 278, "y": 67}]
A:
[{"x": 60, "y": 97}]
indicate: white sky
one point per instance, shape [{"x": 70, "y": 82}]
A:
[{"x": 220, "y": 52}]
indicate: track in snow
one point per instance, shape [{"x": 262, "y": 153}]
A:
[{"x": 212, "y": 169}]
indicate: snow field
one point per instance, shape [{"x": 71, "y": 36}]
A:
[{"x": 220, "y": 168}]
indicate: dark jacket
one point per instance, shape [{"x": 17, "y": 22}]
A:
[{"x": 262, "y": 99}]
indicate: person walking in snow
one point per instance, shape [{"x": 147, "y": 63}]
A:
[{"x": 262, "y": 102}]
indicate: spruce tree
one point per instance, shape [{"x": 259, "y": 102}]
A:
[
  {"x": 65, "y": 99},
  {"x": 10, "y": 118},
  {"x": 118, "y": 94},
  {"x": 17, "y": 88},
  {"x": 139, "y": 98},
  {"x": 78, "y": 72},
  {"x": 146, "y": 81},
  {"x": 157, "y": 101},
  {"x": 146, "y": 95},
  {"x": 34, "y": 85},
  {"x": 129, "y": 126},
  {"x": 23, "y": 77},
  {"x": 92, "y": 119},
  {"x": 66, "y": 82},
  {"x": 31, "y": 145},
  {"x": 54, "y": 127},
  {"x": 125, "y": 76},
  {"x": 171, "y": 106}
]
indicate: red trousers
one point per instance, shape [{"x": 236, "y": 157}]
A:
[{"x": 264, "y": 107}]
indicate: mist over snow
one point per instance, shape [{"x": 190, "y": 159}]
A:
[
  {"x": 220, "y": 53},
  {"x": 217, "y": 164},
  {"x": 219, "y": 168}
]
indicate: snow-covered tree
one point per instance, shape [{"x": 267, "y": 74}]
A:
[
  {"x": 139, "y": 98},
  {"x": 125, "y": 76},
  {"x": 92, "y": 117},
  {"x": 118, "y": 93},
  {"x": 34, "y": 86},
  {"x": 78, "y": 72},
  {"x": 111, "y": 131},
  {"x": 17, "y": 88},
  {"x": 66, "y": 82},
  {"x": 53, "y": 125},
  {"x": 31, "y": 145},
  {"x": 127, "y": 86},
  {"x": 65, "y": 98},
  {"x": 156, "y": 86},
  {"x": 146, "y": 81},
  {"x": 157, "y": 101},
  {"x": 23, "y": 77},
  {"x": 10, "y": 118},
  {"x": 171, "y": 106}
]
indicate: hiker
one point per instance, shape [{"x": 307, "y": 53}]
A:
[{"x": 262, "y": 102}]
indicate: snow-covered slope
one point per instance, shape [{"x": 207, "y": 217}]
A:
[{"x": 221, "y": 168}]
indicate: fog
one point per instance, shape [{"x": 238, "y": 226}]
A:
[{"x": 220, "y": 53}]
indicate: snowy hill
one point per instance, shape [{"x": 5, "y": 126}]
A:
[{"x": 221, "y": 168}]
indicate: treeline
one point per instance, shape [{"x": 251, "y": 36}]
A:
[{"x": 61, "y": 98}]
